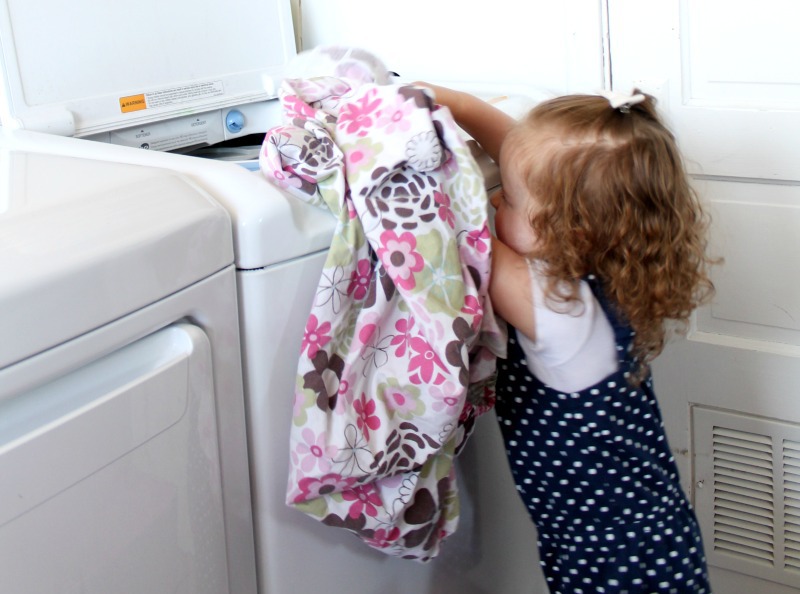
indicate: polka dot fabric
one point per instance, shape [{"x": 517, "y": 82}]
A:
[{"x": 596, "y": 473}]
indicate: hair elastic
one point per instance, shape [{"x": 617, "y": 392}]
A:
[{"x": 621, "y": 101}]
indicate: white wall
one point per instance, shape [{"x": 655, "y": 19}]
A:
[{"x": 537, "y": 48}]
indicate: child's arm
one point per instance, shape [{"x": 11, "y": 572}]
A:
[
  {"x": 510, "y": 288},
  {"x": 481, "y": 120},
  {"x": 510, "y": 284}
]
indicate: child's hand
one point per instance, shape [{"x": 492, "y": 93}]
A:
[
  {"x": 450, "y": 98},
  {"x": 484, "y": 122}
]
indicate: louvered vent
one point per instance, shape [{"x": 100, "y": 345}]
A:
[
  {"x": 791, "y": 498},
  {"x": 747, "y": 493},
  {"x": 744, "y": 511}
]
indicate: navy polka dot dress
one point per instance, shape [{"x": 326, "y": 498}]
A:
[{"x": 596, "y": 473}]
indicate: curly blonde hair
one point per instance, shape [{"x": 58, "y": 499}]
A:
[{"x": 612, "y": 198}]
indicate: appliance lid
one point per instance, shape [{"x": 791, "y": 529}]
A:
[
  {"x": 84, "y": 67},
  {"x": 84, "y": 242}
]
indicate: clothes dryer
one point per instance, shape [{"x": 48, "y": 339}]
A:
[{"x": 122, "y": 449}]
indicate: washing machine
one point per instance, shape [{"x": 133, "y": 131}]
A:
[
  {"x": 122, "y": 450},
  {"x": 159, "y": 86}
]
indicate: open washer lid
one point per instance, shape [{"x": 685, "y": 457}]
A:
[{"x": 83, "y": 67}]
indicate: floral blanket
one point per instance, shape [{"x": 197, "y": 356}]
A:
[{"x": 399, "y": 349}]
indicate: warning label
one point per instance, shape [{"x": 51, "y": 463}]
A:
[
  {"x": 171, "y": 96},
  {"x": 133, "y": 103}
]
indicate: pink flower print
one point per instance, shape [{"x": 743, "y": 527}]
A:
[
  {"x": 472, "y": 258},
  {"x": 383, "y": 537},
  {"x": 467, "y": 411},
  {"x": 360, "y": 115},
  {"x": 445, "y": 213},
  {"x": 312, "y": 487},
  {"x": 400, "y": 259},
  {"x": 447, "y": 398},
  {"x": 472, "y": 307},
  {"x": 426, "y": 361},
  {"x": 352, "y": 213},
  {"x": 344, "y": 386},
  {"x": 401, "y": 400},
  {"x": 361, "y": 157},
  {"x": 359, "y": 279},
  {"x": 394, "y": 117},
  {"x": 420, "y": 313},
  {"x": 375, "y": 347},
  {"x": 402, "y": 339},
  {"x": 355, "y": 157},
  {"x": 365, "y": 498},
  {"x": 480, "y": 239},
  {"x": 367, "y": 420},
  {"x": 315, "y": 336},
  {"x": 285, "y": 180},
  {"x": 278, "y": 155},
  {"x": 292, "y": 104},
  {"x": 313, "y": 452},
  {"x": 321, "y": 92},
  {"x": 367, "y": 326},
  {"x": 301, "y": 402},
  {"x": 346, "y": 396}
]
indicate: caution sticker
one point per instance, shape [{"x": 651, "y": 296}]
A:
[
  {"x": 171, "y": 96},
  {"x": 132, "y": 103}
]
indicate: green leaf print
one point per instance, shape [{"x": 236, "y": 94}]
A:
[
  {"x": 346, "y": 242},
  {"x": 444, "y": 461},
  {"x": 316, "y": 507},
  {"x": 403, "y": 401},
  {"x": 467, "y": 186},
  {"x": 441, "y": 274},
  {"x": 309, "y": 399}
]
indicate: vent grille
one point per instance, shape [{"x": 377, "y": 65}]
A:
[
  {"x": 747, "y": 493},
  {"x": 744, "y": 511},
  {"x": 791, "y": 502}
]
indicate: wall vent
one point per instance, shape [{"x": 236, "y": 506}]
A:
[
  {"x": 791, "y": 494},
  {"x": 747, "y": 492}
]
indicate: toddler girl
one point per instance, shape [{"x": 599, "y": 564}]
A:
[{"x": 600, "y": 241}]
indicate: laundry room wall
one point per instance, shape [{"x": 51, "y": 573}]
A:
[{"x": 538, "y": 48}]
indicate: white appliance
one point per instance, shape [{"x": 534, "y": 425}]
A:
[
  {"x": 115, "y": 99},
  {"x": 122, "y": 455}
]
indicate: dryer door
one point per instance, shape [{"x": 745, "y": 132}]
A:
[{"x": 110, "y": 473}]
